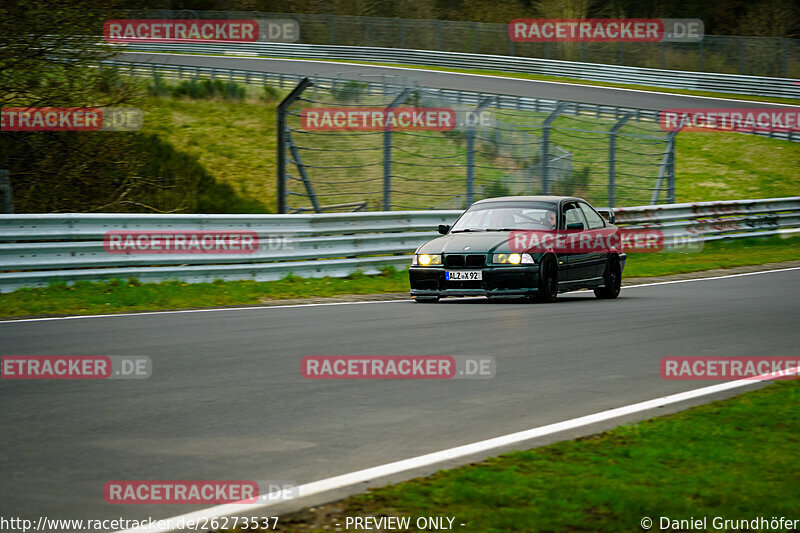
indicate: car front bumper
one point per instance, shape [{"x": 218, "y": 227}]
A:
[{"x": 497, "y": 281}]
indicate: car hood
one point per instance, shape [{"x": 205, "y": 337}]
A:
[{"x": 478, "y": 242}]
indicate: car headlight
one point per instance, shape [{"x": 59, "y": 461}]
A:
[
  {"x": 512, "y": 259},
  {"x": 427, "y": 259}
]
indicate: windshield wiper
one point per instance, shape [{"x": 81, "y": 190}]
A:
[
  {"x": 466, "y": 229},
  {"x": 503, "y": 229}
]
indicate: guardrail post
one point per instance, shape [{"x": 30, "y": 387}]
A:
[
  {"x": 387, "y": 153},
  {"x": 612, "y": 159},
  {"x": 7, "y": 205},
  {"x": 548, "y": 122},
  {"x": 470, "y": 138},
  {"x": 282, "y": 130}
]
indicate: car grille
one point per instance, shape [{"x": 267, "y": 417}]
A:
[
  {"x": 464, "y": 260},
  {"x": 461, "y": 284}
]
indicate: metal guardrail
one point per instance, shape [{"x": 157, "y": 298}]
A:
[
  {"x": 36, "y": 250},
  {"x": 676, "y": 79}
]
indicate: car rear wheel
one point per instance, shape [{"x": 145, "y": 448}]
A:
[
  {"x": 426, "y": 299},
  {"x": 612, "y": 280},
  {"x": 547, "y": 290}
]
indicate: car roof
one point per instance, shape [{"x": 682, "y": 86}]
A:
[{"x": 555, "y": 199}]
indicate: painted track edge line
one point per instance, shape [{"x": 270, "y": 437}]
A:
[{"x": 368, "y": 474}]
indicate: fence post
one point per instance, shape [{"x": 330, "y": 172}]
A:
[
  {"x": 470, "y": 138},
  {"x": 546, "y": 146},
  {"x": 741, "y": 55},
  {"x": 612, "y": 159},
  {"x": 701, "y": 55},
  {"x": 282, "y": 130},
  {"x": 475, "y": 39},
  {"x": 671, "y": 167},
  {"x": 7, "y": 207},
  {"x": 387, "y": 153},
  {"x": 301, "y": 168},
  {"x": 784, "y": 67}
]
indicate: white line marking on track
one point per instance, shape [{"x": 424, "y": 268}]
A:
[
  {"x": 324, "y": 304},
  {"x": 769, "y": 104},
  {"x": 368, "y": 474}
]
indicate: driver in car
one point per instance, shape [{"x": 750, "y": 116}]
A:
[{"x": 550, "y": 219}]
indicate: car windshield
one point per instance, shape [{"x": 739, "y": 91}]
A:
[{"x": 505, "y": 216}]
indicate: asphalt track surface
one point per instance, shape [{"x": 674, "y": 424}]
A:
[
  {"x": 450, "y": 80},
  {"x": 226, "y": 399}
]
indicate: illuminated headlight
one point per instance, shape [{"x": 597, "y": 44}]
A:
[
  {"x": 427, "y": 259},
  {"x": 512, "y": 259}
]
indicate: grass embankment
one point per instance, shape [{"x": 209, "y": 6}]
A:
[
  {"x": 127, "y": 296},
  {"x": 235, "y": 142},
  {"x": 733, "y": 459}
]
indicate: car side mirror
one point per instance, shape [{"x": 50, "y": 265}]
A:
[
  {"x": 607, "y": 214},
  {"x": 444, "y": 228},
  {"x": 575, "y": 225}
]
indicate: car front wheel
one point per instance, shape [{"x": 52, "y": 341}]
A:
[
  {"x": 612, "y": 280},
  {"x": 547, "y": 290}
]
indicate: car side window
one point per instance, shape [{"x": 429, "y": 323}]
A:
[
  {"x": 595, "y": 220},
  {"x": 573, "y": 214}
]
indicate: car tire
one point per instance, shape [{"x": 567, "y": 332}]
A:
[
  {"x": 547, "y": 289},
  {"x": 426, "y": 299},
  {"x": 612, "y": 280}
]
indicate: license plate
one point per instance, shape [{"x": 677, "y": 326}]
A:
[{"x": 463, "y": 275}]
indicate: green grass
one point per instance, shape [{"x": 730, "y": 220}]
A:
[
  {"x": 734, "y": 459},
  {"x": 117, "y": 296},
  {"x": 236, "y": 143},
  {"x": 715, "y": 254},
  {"x": 127, "y": 296},
  {"x": 734, "y": 166}
]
